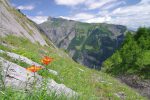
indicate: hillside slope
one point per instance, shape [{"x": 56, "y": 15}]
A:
[
  {"x": 88, "y": 44},
  {"x": 89, "y": 84}
]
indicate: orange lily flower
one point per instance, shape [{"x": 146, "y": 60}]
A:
[
  {"x": 34, "y": 68},
  {"x": 46, "y": 60}
]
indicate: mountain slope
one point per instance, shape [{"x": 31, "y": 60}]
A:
[
  {"x": 88, "y": 44},
  {"x": 88, "y": 83},
  {"x": 14, "y": 22}
]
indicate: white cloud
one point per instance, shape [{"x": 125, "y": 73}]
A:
[
  {"x": 83, "y": 16},
  {"x": 27, "y": 7},
  {"x": 144, "y": 1},
  {"x": 89, "y": 4},
  {"x": 95, "y": 4},
  {"x": 89, "y": 18},
  {"x": 69, "y": 2},
  {"x": 132, "y": 16},
  {"x": 38, "y": 19},
  {"x": 113, "y": 5},
  {"x": 79, "y": 17},
  {"x": 64, "y": 17},
  {"x": 99, "y": 19}
]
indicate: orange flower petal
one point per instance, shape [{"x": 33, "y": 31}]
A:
[
  {"x": 34, "y": 68},
  {"x": 46, "y": 60}
]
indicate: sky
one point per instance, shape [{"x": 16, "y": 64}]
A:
[{"x": 131, "y": 13}]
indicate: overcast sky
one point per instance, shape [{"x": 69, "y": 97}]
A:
[{"x": 132, "y": 13}]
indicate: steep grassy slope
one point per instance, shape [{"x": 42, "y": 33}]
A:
[
  {"x": 88, "y": 44},
  {"x": 90, "y": 84}
]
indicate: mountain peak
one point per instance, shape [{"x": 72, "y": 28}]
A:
[{"x": 49, "y": 18}]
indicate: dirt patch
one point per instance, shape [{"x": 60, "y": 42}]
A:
[{"x": 141, "y": 85}]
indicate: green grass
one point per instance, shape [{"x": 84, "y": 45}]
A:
[
  {"x": 12, "y": 94},
  {"x": 90, "y": 84},
  {"x": 88, "y": 47}
]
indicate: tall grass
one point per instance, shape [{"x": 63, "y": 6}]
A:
[{"x": 12, "y": 94}]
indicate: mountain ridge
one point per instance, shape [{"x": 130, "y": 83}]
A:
[{"x": 77, "y": 39}]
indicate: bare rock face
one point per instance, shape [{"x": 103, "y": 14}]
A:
[
  {"x": 60, "y": 31},
  {"x": 14, "y": 22},
  {"x": 18, "y": 77}
]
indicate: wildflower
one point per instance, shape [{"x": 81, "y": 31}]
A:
[
  {"x": 34, "y": 68},
  {"x": 46, "y": 60}
]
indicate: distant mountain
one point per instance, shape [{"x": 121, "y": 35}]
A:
[{"x": 88, "y": 44}]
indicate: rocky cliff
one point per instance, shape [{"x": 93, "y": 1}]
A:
[
  {"x": 12, "y": 21},
  {"x": 88, "y": 44}
]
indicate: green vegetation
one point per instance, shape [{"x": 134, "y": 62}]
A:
[
  {"x": 89, "y": 84},
  {"x": 133, "y": 57},
  {"x": 94, "y": 41},
  {"x": 11, "y": 94}
]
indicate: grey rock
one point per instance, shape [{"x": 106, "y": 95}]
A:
[
  {"x": 14, "y": 23},
  {"x": 22, "y": 58},
  {"x": 52, "y": 72},
  {"x": 60, "y": 34},
  {"x": 18, "y": 77},
  {"x": 61, "y": 88},
  {"x": 26, "y": 60},
  {"x": 1, "y": 51},
  {"x": 121, "y": 95}
]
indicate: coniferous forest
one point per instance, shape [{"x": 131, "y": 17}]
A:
[{"x": 133, "y": 57}]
